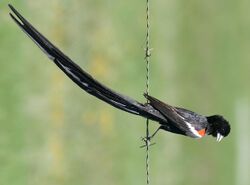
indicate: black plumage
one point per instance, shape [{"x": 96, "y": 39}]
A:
[{"x": 172, "y": 119}]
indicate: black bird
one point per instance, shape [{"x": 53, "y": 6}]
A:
[{"x": 172, "y": 119}]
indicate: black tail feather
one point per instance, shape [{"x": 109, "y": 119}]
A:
[{"x": 80, "y": 77}]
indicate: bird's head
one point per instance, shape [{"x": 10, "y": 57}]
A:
[{"x": 220, "y": 127}]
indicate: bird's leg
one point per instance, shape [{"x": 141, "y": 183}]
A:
[
  {"x": 148, "y": 139},
  {"x": 155, "y": 133}
]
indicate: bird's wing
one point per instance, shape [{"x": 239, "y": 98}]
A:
[
  {"x": 171, "y": 113},
  {"x": 198, "y": 120},
  {"x": 80, "y": 77}
]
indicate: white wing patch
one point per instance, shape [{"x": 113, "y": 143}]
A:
[{"x": 193, "y": 130}]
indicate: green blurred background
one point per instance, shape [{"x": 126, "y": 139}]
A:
[{"x": 53, "y": 133}]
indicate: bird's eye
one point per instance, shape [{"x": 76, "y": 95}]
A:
[{"x": 222, "y": 131}]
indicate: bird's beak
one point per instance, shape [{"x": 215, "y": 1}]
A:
[{"x": 219, "y": 137}]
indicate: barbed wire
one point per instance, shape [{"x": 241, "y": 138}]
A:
[{"x": 147, "y": 59}]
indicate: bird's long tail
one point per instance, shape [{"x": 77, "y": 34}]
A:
[{"x": 80, "y": 77}]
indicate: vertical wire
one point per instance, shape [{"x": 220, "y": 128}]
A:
[
  {"x": 147, "y": 155},
  {"x": 147, "y": 59}
]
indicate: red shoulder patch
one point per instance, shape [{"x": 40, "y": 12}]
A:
[{"x": 202, "y": 132}]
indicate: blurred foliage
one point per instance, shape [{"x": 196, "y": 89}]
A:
[{"x": 54, "y": 133}]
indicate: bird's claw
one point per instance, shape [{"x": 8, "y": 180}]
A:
[
  {"x": 147, "y": 142},
  {"x": 146, "y": 139}
]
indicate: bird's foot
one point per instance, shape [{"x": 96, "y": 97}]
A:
[{"x": 147, "y": 141}]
